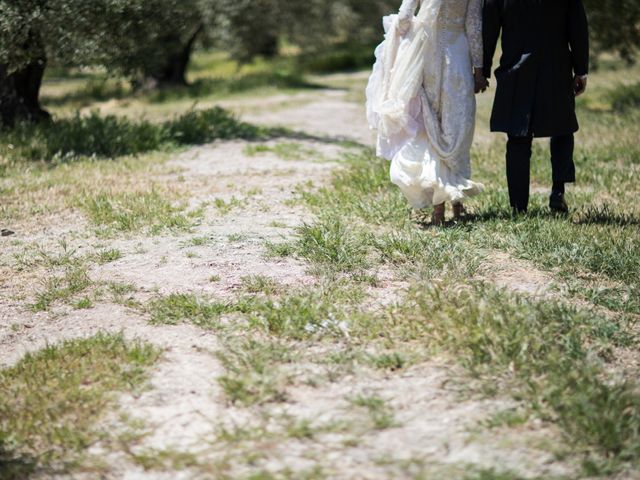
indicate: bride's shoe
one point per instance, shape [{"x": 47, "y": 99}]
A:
[
  {"x": 437, "y": 217},
  {"x": 458, "y": 211}
]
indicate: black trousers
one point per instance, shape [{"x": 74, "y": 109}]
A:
[{"x": 519, "y": 166}]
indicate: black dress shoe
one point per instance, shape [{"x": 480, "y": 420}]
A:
[{"x": 558, "y": 204}]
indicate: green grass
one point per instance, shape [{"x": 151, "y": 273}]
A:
[
  {"x": 129, "y": 212},
  {"x": 285, "y": 150},
  {"x": 260, "y": 284},
  {"x": 180, "y": 307},
  {"x": 225, "y": 207},
  {"x": 389, "y": 361},
  {"x": 62, "y": 288},
  {"x": 54, "y": 399},
  {"x": 110, "y": 136},
  {"x": 546, "y": 353},
  {"x": 252, "y": 373},
  {"x": 109, "y": 256},
  {"x": 378, "y": 409}
]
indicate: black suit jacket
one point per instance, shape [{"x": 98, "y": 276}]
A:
[{"x": 544, "y": 44}]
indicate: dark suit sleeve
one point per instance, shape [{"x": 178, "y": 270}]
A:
[
  {"x": 491, "y": 25},
  {"x": 578, "y": 37}
]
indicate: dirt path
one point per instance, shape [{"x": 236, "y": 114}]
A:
[{"x": 434, "y": 423}]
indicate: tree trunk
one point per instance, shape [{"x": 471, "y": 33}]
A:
[
  {"x": 20, "y": 94},
  {"x": 175, "y": 70},
  {"x": 269, "y": 47}
]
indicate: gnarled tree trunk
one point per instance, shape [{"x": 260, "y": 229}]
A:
[
  {"x": 174, "y": 71},
  {"x": 20, "y": 94}
]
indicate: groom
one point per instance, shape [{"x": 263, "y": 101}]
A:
[{"x": 544, "y": 66}]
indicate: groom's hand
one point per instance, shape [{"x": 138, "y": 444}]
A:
[
  {"x": 579, "y": 85},
  {"x": 481, "y": 82}
]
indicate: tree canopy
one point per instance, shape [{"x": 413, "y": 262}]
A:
[{"x": 153, "y": 39}]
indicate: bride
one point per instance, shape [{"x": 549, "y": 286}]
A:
[{"x": 420, "y": 99}]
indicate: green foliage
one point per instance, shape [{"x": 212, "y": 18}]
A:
[
  {"x": 111, "y": 136},
  {"x": 53, "y": 399},
  {"x": 201, "y": 126},
  {"x": 625, "y": 97},
  {"x": 129, "y": 36},
  {"x": 615, "y": 25}
]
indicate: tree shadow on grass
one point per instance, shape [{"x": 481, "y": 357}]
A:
[
  {"x": 604, "y": 215},
  {"x": 94, "y": 91},
  {"x": 101, "y": 90},
  {"x": 233, "y": 85},
  {"x": 593, "y": 215}
]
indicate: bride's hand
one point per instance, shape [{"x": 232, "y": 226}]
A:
[
  {"x": 404, "y": 25},
  {"x": 481, "y": 82}
]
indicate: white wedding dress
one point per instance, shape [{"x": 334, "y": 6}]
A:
[{"x": 420, "y": 98}]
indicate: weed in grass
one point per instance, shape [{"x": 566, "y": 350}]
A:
[
  {"x": 127, "y": 212},
  {"x": 180, "y": 307},
  {"x": 53, "y": 399},
  {"x": 122, "y": 293},
  {"x": 492, "y": 474},
  {"x": 84, "y": 303},
  {"x": 509, "y": 417},
  {"x": 361, "y": 190},
  {"x": 284, "y": 150},
  {"x": 260, "y": 284},
  {"x": 389, "y": 361},
  {"x": 379, "y": 410},
  {"x": 279, "y": 250},
  {"x": 236, "y": 237},
  {"x": 277, "y": 224},
  {"x": 252, "y": 373},
  {"x": 301, "y": 429},
  {"x": 75, "y": 280},
  {"x": 151, "y": 459},
  {"x": 225, "y": 207},
  {"x": 200, "y": 241},
  {"x": 301, "y": 314},
  {"x": 329, "y": 241},
  {"x": 108, "y": 256}
]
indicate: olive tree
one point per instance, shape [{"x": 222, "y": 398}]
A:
[
  {"x": 247, "y": 28},
  {"x": 136, "y": 38},
  {"x": 615, "y": 26}
]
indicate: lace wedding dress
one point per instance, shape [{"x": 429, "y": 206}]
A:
[{"x": 420, "y": 98}]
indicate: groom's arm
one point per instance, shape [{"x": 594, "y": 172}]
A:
[
  {"x": 578, "y": 29},
  {"x": 491, "y": 26}
]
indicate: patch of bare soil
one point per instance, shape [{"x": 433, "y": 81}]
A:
[{"x": 516, "y": 275}]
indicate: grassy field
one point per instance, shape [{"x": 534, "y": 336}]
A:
[{"x": 539, "y": 312}]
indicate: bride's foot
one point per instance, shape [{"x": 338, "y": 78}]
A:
[
  {"x": 437, "y": 217},
  {"x": 458, "y": 211}
]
